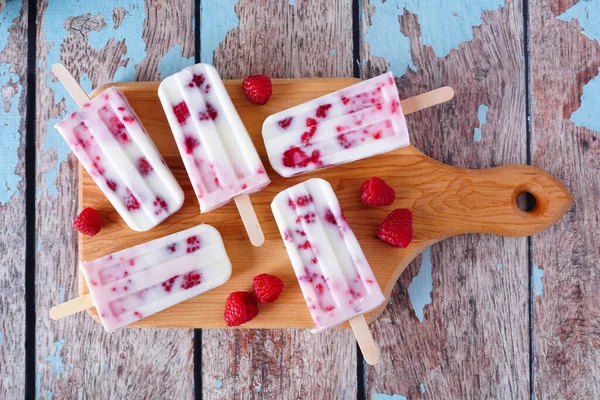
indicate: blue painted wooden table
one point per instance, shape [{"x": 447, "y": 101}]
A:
[{"x": 474, "y": 317}]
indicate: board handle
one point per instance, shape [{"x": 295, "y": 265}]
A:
[
  {"x": 364, "y": 339},
  {"x": 253, "y": 229},
  {"x": 71, "y": 307},
  {"x": 485, "y": 201}
]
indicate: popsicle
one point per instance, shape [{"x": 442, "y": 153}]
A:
[
  {"x": 135, "y": 283},
  {"x": 356, "y": 122},
  {"x": 218, "y": 154},
  {"x": 114, "y": 148},
  {"x": 332, "y": 270}
]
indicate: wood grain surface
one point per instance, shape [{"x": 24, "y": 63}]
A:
[
  {"x": 99, "y": 42},
  {"x": 445, "y": 201},
  {"x": 13, "y": 87},
  {"x": 566, "y": 258},
  {"x": 283, "y": 41},
  {"x": 472, "y": 340}
]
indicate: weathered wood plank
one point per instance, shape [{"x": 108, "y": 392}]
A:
[
  {"x": 99, "y": 42},
  {"x": 280, "y": 39},
  {"x": 13, "y": 86},
  {"x": 457, "y": 325},
  {"x": 565, "y": 61}
]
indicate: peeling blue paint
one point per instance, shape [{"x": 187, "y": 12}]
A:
[
  {"x": 56, "y": 360},
  {"x": 482, "y": 117},
  {"x": 587, "y": 13},
  {"x": 173, "y": 61},
  {"x": 422, "y": 388},
  {"x": 587, "y": 114},
  {"x": 38, "y": 245},
  {"x": 1, "y": 338},
  {"x": 38, "y": 384},
  {"x": 419, "y": 290},
  {"x": 217, "y": 17},
  {"x": 444, "y": 26},
  {"x": 10, "y": 118},
  {"x": 218, "y": 383},
  {"x": 384, "y": 30},
  {"x": 499, "y": 266},
  {"x": 292, "y": 2},
  {"x": 54, "y": 32},
  {"x": 258, "y": 388},
  {"x": 49, "y": 395},
  {"x": 61, "y": 296},
  {"x": 536, "y": 279},
  {"x": 105, "y": 366},
  {"x": 333, "y": 52},
  {"x": 383, "y": 396}
]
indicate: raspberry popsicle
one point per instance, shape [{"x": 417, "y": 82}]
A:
[
  {"x": 334, "y": 275},
  {"x": 353, "y": 123},
  {"x": 134, "y": 283},
  {"x": 217, "y": 151},
  {"x": 112, "y": 145}
]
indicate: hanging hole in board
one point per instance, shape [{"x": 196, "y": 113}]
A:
[{"x": 526, "y": 201}]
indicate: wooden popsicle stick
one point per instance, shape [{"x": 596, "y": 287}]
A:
[
  {"x": 364, "y": 339},
  {"x": 70, "y": 84},
  {"x": 253, "y": 229},
  {"x": 71, "y": 307},
  {"x": 427, "y": 100}
]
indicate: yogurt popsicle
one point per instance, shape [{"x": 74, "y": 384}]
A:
[
  {"x": 218, "y": 154},
  {"x": 353, "y": 123},
  {"x": 114, "y": 148},
  {"x": 334, "y": 275},
  {"x": 135, "y": 283}
]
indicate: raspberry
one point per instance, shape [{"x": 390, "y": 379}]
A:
[
  {"x": 267, "y": 288},
  {"x": 131, "y": 202},
  {"x": 112, "y": 185},
  {"x": 181, "y": 111},
  {"x": 144, "y": 166},
  {"x": 190, "y": 144},
  {"x": 285, "y": 123},
  {"x": 240, "y": 308},
  {"x": 396, "y": 229},
  {"x": 88, "y": 222},
  {"x": 190, "y": 280},
  {"x": 258, "y": 89},
  {"x": 210, "y": 113},
  {"x": 375, "y": 192},
  {"x": 322, "y": 110},
  {"x": 295, "y": 157}
]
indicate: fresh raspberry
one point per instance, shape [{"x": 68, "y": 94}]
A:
[
  {"x": 375, "y": 192},
  {"x": 258, "y": 89},
  {"x": 267, "y": 288},
  {"x": 240, "y": 308},
  {"x": 396, "y": 229},
  {"x": 88, "y": 222}
]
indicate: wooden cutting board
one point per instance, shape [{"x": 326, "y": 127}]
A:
[{"x": 445, "y": 201}]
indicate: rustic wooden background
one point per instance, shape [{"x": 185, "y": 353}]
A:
[{"x": 474, "y": 317}]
